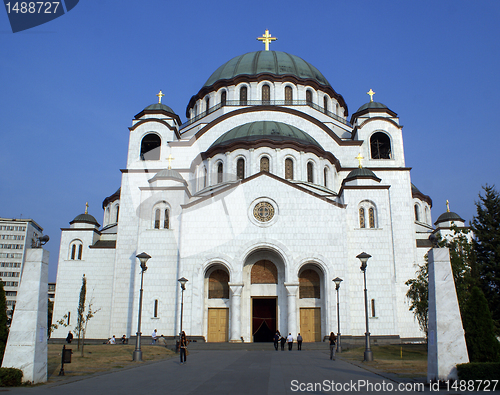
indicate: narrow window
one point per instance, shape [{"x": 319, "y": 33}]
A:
[
  {"x": 205, "y": 177},
  {"x": 288, "y": 95},
  {"x": 371, "y": 217},
  {"x": 155, "y": 314},
  {"x": 325, "y": 103},
  {"x": 207, "y": 104},
  {"x": 310, "y": 172},
  {"x": 117, "y": 210},
  {"x": 150, "y": 147},
  {"x": 264, "y": 163},
  {"x": 417, "y": 213},
  {"x": 223, "y": 98},
  {"x": 243, "y": 96},
  {"x": 220, "y": 169},
  {"x": 166, "y": 220},
  {"x": 309, "y": 97},
  {"x": 373, "y": 308},
  {"x": 288, "y": 169},
  {"x": 266, "y": 94},
  {"x": 240, "y": 169},
  {"x": 69, "y": 317},
  {"x": 80, "y": 248},
  {"x": 73, "y": 252},
  {"x": 362, "y": 217},
  {"x": 157, "y": 218},
  {"x": 325, "y": 177}
]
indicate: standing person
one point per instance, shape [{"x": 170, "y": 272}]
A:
[
  {"x": 154, "y": 336},
  {"x": 276, "y": 339},
  {"x": 183, "y": 347},
  {"x": 333, "y": 340},
  {"x": 289, "y": 339},
  {"x": 69, "y": 337},
  {"x": 282, "y": 341},
  {"x": 299, "y": 342}
]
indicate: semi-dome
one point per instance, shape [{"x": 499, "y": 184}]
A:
[
  {"x": 271, "y": 130},
  {"x": 85, "y": 218},
  {"x": 270, "y": 62}
]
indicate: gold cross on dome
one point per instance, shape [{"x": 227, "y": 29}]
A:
[
  {"x": 170, "y": 159},
  {"x": 447, "y": 206},
  {"x": 266, "y": 38},
  {"x": 160, "y": 95},
  {"x": 359, "y": 158},
  {"x": 87, "y": 208},
  {"x": 371, "y": 93}
]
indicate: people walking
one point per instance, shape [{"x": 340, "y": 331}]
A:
[
  {"x": 333, "y": 341},
  {"x": 289, "y": 339},
  {"x": 183, "y": 347},
  {"x": 299, "y": 342},
  {"x": 69, "y": 338},
  {"x": 282, "y": 341},
  {"x": 276, "y": 339}
]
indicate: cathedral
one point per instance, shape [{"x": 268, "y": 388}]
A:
[{"x": 266, "y": 194}]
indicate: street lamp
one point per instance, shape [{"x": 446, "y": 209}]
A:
[
  {"x": 337, "y": 282},
  {"x": 183, "y": 282},
  {"x": 363, "y": 257},
  {"x": 137, "y": 355}
]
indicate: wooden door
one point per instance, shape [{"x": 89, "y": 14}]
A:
[
  {"x": 310, "y": 324},
  {"x": 217, "y": 325}
]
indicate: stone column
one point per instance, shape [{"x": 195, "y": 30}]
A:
[
  {"x": 235, "y": 312},
  {"x": 291, "y": 289}
]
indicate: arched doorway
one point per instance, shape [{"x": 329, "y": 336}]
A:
[
  {"x": 311, "y": 302},
  {"x": 217, "y": 302}
]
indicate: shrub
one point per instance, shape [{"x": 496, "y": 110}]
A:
[
  {"x": 479, "y": 371},
  {"x": 10, "y": 377}
]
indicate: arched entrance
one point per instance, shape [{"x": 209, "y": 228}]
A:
[
  {"x": 217, "y": 302},
  {"x": 311, "y": 305}
]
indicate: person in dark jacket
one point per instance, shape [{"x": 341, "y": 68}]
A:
[
  {"x": 276, "y": 339},
  {"x": 333, "y": 341}
]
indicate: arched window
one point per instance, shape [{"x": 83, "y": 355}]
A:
[
  {"x": 371, "y": 217},
  {"x": 223, "y": 98},
  {"x": 150, "y": 147},
  {"x": 166, "y": 219},
  {"x": 264, "y": 272},
  {"x": 266, "y": 94},
  {"x": 240, "y": 168},
  {"x": 117, "y": 212},
  {"x": 243, "y": 96},
  {"x": 80, "y": 249},
  {"x": 264, "y": 163},
  {"x": 325, "y": 177},
  {"x": 380, "y": 145},
  {"x": 203, "y": 178},
  {"x": 417, "y": 212},
  {"x": 288, "y": 95},
  {"x": 362, "y": 218},
  {"x": 325, "y": 103},
  {"x": 220, "y": 169},
  {"x": 309, "y": 97},
  {"x": 218, "y": 287},
  {"x": 367, "y": 207},
  {"x": 161, "y": 212},
  {"x": 207, "y": 104},
  {"x": 157, "y": 218},
  {"x": 288, "y": 169},
  {"x": 310, "y": 172},
  {"x": 76, "y": 250},
  {"x": 309, "y": 284},
  {"x": 73, "y": 252}
]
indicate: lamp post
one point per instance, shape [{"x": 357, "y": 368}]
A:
[
  {"x": 183, "y": 282},
  {"x": 363, "y": 257},
  {"x": 337, "y": 282},
  {"x": 137, "y": 355}
]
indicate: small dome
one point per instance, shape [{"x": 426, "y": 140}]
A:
[
  {"x": 448, "y": 216},
  {"x": 112, "y": 198},
  {"x": 271, "y": 62},
  {"x": 167, "y": 174},
  {"x": 277, "y": 131},
  {"x": 159, "y": 106},
  {"x": 361, "y": 173},
  {"x": 85, "y": 218},
  {"x": 372, "y": 105}
]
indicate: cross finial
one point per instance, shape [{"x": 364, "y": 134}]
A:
[
  {"x": 447, "y": 206},
  {"x": 266, "y": 38},
  {"x": 359, "y": 158},
  {"x": 371, "y": 93},
  {"x": 170, "y": 159},
  {"x": 87, "y": 208},
  {"x": 160, "y": 95}
]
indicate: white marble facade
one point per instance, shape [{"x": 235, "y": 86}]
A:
[{"x": 211, "y": 223}]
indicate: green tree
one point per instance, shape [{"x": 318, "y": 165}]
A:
[
  {"x": 90, "y": 314},
  {"x": 418, "y": 294},
  {"x": 80, "y": 319},
  {"x": 486, "y": 227},
  {"x": 4, "y": 329},
  {"x": 482, "y": 345}
]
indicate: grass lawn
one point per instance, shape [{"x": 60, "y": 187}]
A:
[
  {"x": 409, "y": 360},
  {"x": 99, "y": 358}
]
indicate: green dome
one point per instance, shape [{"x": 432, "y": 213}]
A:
[
  {"x": 277, "y": 131},
  {"x": 271, "y": 62},
  {"x": 374, "y": 105},
  {"x": 85, "y": 218},
  {"x": 448, "y": 216},
  {"x": 159, "y": 106},
  {"x": 360, "y": 173}
]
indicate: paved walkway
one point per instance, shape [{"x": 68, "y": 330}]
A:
[{"x": 236, "y": 372}]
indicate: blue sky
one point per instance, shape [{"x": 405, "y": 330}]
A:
[{"x": 70, "y": 88}]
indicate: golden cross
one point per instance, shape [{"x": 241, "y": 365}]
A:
[
  {"x": 160, "y": 95},
  {"x": 266, "y": 38},
  {"x": 170, "y": 159},
  {"x": 447, "y": 206},
  {"x": 371, "y": 93},
  {"x": 87, "y": 208},
  {"x": 359, "y": 157}
]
